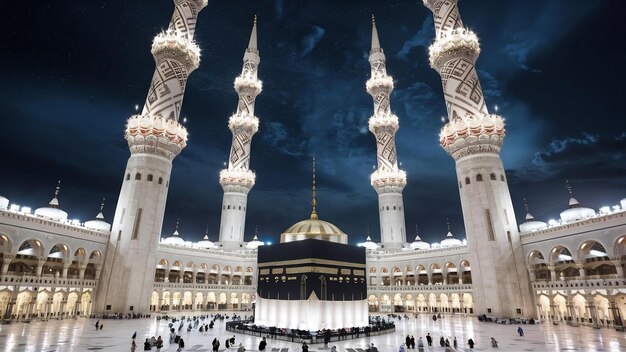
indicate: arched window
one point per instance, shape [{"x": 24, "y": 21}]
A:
[
  {"x": 149, "y": 178},
  {"x": 127, "y": 177},
  {"x": 467, "y": 181},
  {"x": 492, "y": 176},
  {"x": 479, "y": 177},
  {"x": 228, "y": 207},
  {"x": 160, "y": 180},
  {"x": 240, "y": 207},
  {"x": 394, "y": 207},
  {"x": 502, "y": 178},
  {"x": 387, "y": 207},
  {"x": 138, "y": 176}
]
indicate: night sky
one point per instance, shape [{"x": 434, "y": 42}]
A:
[{"x": 73, "y": 71}]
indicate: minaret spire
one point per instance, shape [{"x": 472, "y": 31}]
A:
[
  {"x": 252, "y": 43},
  {"x": 375, "y": 40},
  {"x": 54, "y": 203},
  {"x": 387, "y": 179},
  {"x": 313, "y": 200},
  {"x": 237, "y": 179}
]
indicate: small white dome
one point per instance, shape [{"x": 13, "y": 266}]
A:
[
  {"x": 99, "y": 224},
  {"x": 51, "y": 213},
  {"x": 576, "y": 212},
  {"x": 369, "y": 244},
  {"x": 623, "y": 203},
  {"x": 531, "y": 224},
  {"x": 419, "y": 244},
  {"x": 205, "y": 243},
  {"x": 175, "y": 238},
  {"x": 255, "y": 243},
  {"x": 450, "y": 241},
  {"x": 4, "y": 203}
]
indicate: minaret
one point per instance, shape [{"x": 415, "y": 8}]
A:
[
  {"x": 388, "y": 180},
  {"x": 473, "y": 138},
  {"x": 154, "y": 138},
  {"x": 237, "y": 179}
]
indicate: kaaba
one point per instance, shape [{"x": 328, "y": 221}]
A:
[{"x": 311, "y": 284}]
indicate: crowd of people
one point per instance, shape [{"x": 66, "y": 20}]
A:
[{"x": 204, "y": 323}]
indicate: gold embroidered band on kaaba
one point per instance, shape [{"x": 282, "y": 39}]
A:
[{"x": 311, "y": 261}]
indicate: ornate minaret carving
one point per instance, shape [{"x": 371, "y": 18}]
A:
[
  {"x": 237, "y": 179},
  {"x": 154, "y": 138},
  {"x": 388, "y": 180},
  {"x": 473, "y": 138}
]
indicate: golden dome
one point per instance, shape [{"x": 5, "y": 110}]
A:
[{"x": 314, "y": 229}]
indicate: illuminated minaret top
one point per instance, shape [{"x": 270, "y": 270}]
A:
[
  {"x": 388, "y": 180},
  {"x": 237, "y": 179}
]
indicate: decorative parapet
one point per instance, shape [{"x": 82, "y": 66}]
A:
[
  {"x": 376, "y": 83},
  {"x": 388, "y": 181},
  {"x": 575, "y": 227},
  {"x": 421, "y": 288},
  {"x": 170, "y": 44},
  {"x": 239, "y": 178},
  {"x": 473, "y": 134},
  {"x": 591, "y": 284},
  {"x": 248, "y": 85},
  {"x": 451, "y": 44},
  {"x": 388, "y": 121},
  {"x": 180, "y": 285},
  {"x": 37, "y": 223},
  {"x": 155, "y": 135},
  {"x": 248, "y": 122}
]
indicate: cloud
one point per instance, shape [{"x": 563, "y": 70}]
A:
[
  {"x": 586, "y": 157},
  {"x": 312, "y": 39},
  {"x": 423, "y": 38}
]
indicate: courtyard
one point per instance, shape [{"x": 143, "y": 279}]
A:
[{"x": 80, "y": 335}]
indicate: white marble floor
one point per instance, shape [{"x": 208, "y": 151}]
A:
[{"x": 80, "y": 335}]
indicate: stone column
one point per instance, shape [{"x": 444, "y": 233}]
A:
[
  {"x": 167, "y": 275},
  {"x": 592, "y": 312},
  {"x": 40, "y": 262},
  {"x": 617, "y": 317},
  {"x": 5, "y": 267},
  {"x": 65, "y": 268},
  {"x": 581, "y": 270},
  {"x": 193, "y": 276},
  {"x": 552, "y": 272},
  {"x": 618, "y": 267},
  {"x": 81, "y": 271}
]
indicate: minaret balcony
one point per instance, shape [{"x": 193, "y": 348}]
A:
[
  {"x": 375, "y": 84},
  {"x": 388, "y": 181},
  {"x": 452, "y": 44},
  {"x": 378, "y": 122},
  {"x": 473, "y": 134},
  {"x": 248, "y": 85},
  {"x": 155, "y": 135},
  {"x": 248, "y": 122},
  {"x": 237, "y": 180},
  {"x": 173, "y": 45}
]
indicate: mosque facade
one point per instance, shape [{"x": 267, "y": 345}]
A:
[{"x": 567, "y": 271}]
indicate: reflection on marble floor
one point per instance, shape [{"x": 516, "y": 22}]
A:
[{"x": 80, "y": 335}]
